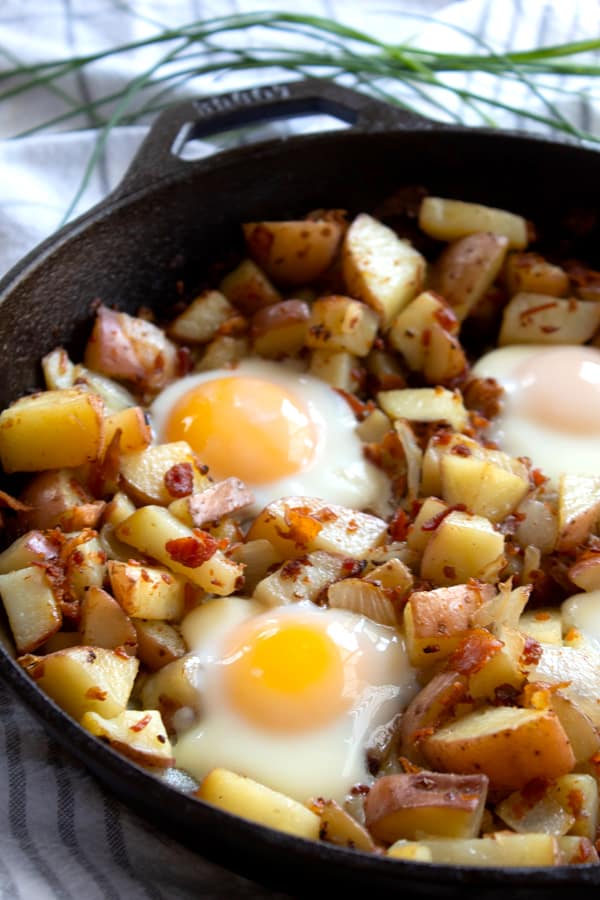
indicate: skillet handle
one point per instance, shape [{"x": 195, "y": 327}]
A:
[{"x": 158, "y": 158}]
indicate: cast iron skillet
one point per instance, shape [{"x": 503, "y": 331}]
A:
[{"x": 167, "y": 222}]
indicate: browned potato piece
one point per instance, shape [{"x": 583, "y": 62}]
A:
[
  {"x": 127, "y": 347},
  {"x": 467, "y": 268},
  {"x": 425, "y": 333},
  {"x": 340, "y": 828},
  {"x": 338, "y": 368},
  {"x": 293, "y": 252},
  {"x": 104, "y": 623},
  {"x": 499, "y": 849},
  {"x": 248, "y": 288},
  {"x": 567, "y": 805},
  {"x": 380, "y": 268},
  {"x": 425, "y": 405},
  {"x": 224, "y": 351},
  {"x": 32, "y": 608},
  {"x": 482, "y": 485},
  {"x": 202, "y": 319},
  {"x": 430, "y": 708},
  {"x": 173, "y": 687},
  {"x": 340, "y": 323},
  {"x": 211, "y": 504},
  {"x": 304, "y": 578},
  {"x": 33, "y": 547},
  {"x": 158, "y": 643},
  {"x": 139, "y": 735},
  {"x": 448, "y": 220},
  {"x": 82, "y": 679},
  {"x": 147, "y": 592},
  {"x": 463, "y": 546},
  {"x": 58, "y": 499},
  {"x": 51, "y": 430},
  {"x": 162, "y": 473},
  {"x": 135, "y": 431},
  {"x": 510, "y": 745},
  {"x": 425, "y": 804},
  {"x": 436, "y": 621},
  {"x": 297, "y": 525},
  {"x": 539, "y": 319},
  {"x": 531, "y": 273},
  {"x": 280, "y": 329}
]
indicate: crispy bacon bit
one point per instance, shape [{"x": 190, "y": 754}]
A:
[
  {"x": 13, "y": 503},
  {"x": 575, "y": 802},
  {"x": 532, "y": 651},
  {"x": 141, "y": 724},
  {"x": 192, "y": 551},
  {"x": 399, "y": 525},
  {"x": 506, "y": 695},
  {"x": 302, "y": 525},
  {"x": 179, "y": 480},
  {"x": 526, "y": 315},
  {"x": 96, "y": 693},
  {"x": 293, "y": 567},
  {"x": 449, "y": 571},
  {"x": 461, "y": 450},
  {"x": 474, "y": 651},
  {"x": 360, "y": 408},
  {"x": 534, "y": 791}
]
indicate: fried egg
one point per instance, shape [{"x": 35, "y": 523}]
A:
[
  {"x": 551, "y": 405},
  {"x": 282, "y": 432},
  {"x": 290, "y": 696}
]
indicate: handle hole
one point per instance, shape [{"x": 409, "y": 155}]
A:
[{"x": 188, "y": 145}]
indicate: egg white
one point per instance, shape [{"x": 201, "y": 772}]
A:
[
  {"x": 552, "y": 449},
  {"x": 338, "y": 473},
  {"x": 325, "y": 761}
]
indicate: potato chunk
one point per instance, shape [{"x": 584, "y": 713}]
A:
[
  {"x": 531, "y": 273},
  {"x": 510, "y": 745},
  {"x": 31, "y": 606},
  {"x": 380, "y": 268},
  {"x": 448, "y": 220},
  {"x": 248, "y": 288},
  {"x": 498, "y": 849},
  {"x": 199, "y": 323},
  {"x": 484, "y": 487},
  {"x": 425, "y": 333},
  {"x": 139, "y": 735},
  {"x": 467, "y": 269},
  {"x": 539, "y": 319},
  {"x": 340, "y": 323},
  {"x": 147, "y": 592},
  {"x": 279, "y": 330},
  {"x": 162, "y": 473},
  {"x": 578, "y": 509},
  {"x": 463, "y": 546},
  {"x": 297, "y": 525},
  {"x": 293, "y": 252},
  {"x": 304, "y": 578},
  {"x": 425, "y": 405},
  {"x": 83, "y": 679},
  {"x": 51, "y": 430},
  {"x": 428, "y": 803},
  {"x": 251, "y": 800}
]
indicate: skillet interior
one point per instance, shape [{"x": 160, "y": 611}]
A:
[{"x": 134, "y": 248}]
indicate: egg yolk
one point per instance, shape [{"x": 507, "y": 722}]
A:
[
  {"x": 288, "y": 676},
  {"x": 247, "y": 427},
  {"x": 560, "y": 387}
]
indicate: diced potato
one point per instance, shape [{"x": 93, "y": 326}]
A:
[
  {"x": 428, "y": 803},
  {"x": 204, "y": 620},
  {"x": 247, "y": 798},
  {"x": 484, "y": 487},
  {"x": 509, "y": 745},
  {"x": 409, "y": 850},
  {"x": 539, "y": 319},
  {"x": 427, "y": 520},
  {"x": 340, "y": 323},
  {"x": 380, "y": 268},
  {"x": 340, "y": 828},
  {"x": 257, "y": 557},
  {"x": 576, "y": 670},
  {"x": 374, "y": 427},
  {"x": 158, "y": 643},
  {"x": 542, "y": 624},
  {"x": 135, "y": 431},
  {"x": 212, "y": 503},
  {"x": 116, "y": 396},
  {"x": 364, "y": 599},
  {"x": 338, "y": 368},
  {"x": 118, "y": 509},
  {"x": 299, "y": 525},
  {"x": 568, "y": 805},
  {"x": 32, "y": 608},
  {"x": 195, "y": 554},
  {"x": 425, "y": 405},
  {"x": 161, "y": 473},
  {"x": 85, "y": 679},
  {"x": 503, "y": 669},
  {"x": 392, "y": 575},
  {"x": 463, "y": 546},
  {"x": 585, "y": 571},
  {"x": 138, "y": 734},
  {"x": 58, "y": 499},
  {"x": 33, "y": 547},
  {"x": 425, "y": 333},
  {"x": 200, "y": 322},
  {"x": 147, "y": 592},
  {"x": 448, "y": 220},
  {"x": 173, "y": 690},
  {"x": 58, "y": 370},
  {"x": 531, "y": 273},
  {"x": 578, "y": 509},
  {"x": 437, "y": 620},
  {"x": 305, "y": 578},
  {"x": 431, "y": 707},
  {"x": 128, "y": 347},
  {"x": 85, "y": 564},
  {"x": 248, "y": 288},
  {"x": 293, "y": 252},
  {"x": 467, "y": 268},
  {"x": 577, "y": 851},
  {"x": 224, "y": 351},
  {"x": 51, "y": 430},
  {"x": 280, "y": 330},
  {"x": 104, "y": 623},
  {"x": 500, "y": 849}
]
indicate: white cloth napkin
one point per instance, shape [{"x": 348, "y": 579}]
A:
[{"x": 61, "y": 834}]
